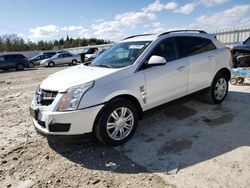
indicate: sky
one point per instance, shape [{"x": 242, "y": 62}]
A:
[{"x": 113, "y": 20}]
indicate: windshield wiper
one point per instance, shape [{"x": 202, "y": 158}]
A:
[{"x": 102, "y": 65}]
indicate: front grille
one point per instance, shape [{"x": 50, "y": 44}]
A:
[{"x": 46, "y": 97}]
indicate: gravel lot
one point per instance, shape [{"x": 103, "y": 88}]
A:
[{"x": 190, "y": 145}]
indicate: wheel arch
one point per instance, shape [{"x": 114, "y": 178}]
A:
[
  {"x": 122, "y": 96},
  {"x": 225, "y": 71}
]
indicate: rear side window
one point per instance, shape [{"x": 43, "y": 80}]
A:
[{"x": 188, "y": 46}]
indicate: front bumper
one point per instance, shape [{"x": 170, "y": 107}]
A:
[{"x": 76, "y": 122}]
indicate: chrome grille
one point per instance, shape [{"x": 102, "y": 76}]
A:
[{"x": 46, "y": 97}]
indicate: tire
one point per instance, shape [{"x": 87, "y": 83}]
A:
[
  {"x": 5, "y": 69},
  {"x": 218, "y": 89},
  {"x": 121, "y": 128},
  {"x": 51, "y": 64},
  {"x": 240, "y": 80},
  {"x": 20, "y": 67},
  {"x": 233, "y": 81},
  {"x": 74, "y": 62},
  {"x": 31, "y": 65}
]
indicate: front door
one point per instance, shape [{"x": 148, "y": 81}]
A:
[{"x": 167, "y": 82}]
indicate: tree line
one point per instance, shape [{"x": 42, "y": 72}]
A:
[{"x": 13, "y": 42}]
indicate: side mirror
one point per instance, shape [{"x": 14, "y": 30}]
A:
[{"x": 157, "y": 60}]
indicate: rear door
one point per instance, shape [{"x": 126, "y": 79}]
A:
[
  {"x": 68, "y": 58},
  {"x": 200, "y": 56},
  {"x": 59, "y": 59}
]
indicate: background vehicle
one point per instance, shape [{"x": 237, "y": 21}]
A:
[
  {"x": 37, "y": 59},
  {"x": 16, "y": 61},
  {"x": 87, "y": 51},
  {"x": 90, "y": 57},
  {"x": 242, "y": 48},
  {"x": 241, "y": 53},
  {"x": 144, "y": 72},
  {"x": 61, "y": 58}
]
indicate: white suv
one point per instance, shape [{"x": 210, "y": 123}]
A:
[{"x": 109, "y": 96}]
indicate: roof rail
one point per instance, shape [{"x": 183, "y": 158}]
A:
[
  {"x": 136, "y": 36},
  {"x": 176, "y": 31}
]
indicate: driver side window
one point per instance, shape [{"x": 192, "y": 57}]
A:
[{"x": 166, "y": 49}]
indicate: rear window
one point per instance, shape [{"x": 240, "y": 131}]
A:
[{"x": 193, "y": 45}]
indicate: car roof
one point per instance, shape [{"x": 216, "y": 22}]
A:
[{"x": 152, "y": 37}]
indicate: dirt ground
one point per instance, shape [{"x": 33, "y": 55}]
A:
[{"x": 190, "y": 145}]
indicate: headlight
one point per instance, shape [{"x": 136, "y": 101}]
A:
[{"x": 72, "y": 98}]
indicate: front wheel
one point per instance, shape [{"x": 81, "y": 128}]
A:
[
  {"x": 117, "y": 122},
  {"x": 218, "y": 89}
]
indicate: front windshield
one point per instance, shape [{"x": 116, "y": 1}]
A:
[
  {"x": 35, "y": 57},
  {"x": 121, "y": 55}
]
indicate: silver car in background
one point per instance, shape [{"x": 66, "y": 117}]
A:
[{"x": 61, "y": 58}]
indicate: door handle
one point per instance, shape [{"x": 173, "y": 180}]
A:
[{"x": 181, "y": 68}]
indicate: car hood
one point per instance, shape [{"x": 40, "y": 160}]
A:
[
  {"x": 77, "y": 75},
  {"x": 241, "y": 46}
]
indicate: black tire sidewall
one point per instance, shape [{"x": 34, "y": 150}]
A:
[
  {"x": 51, "y": 64},
  {"x": 240, "y": 80},
  {"x": 101, "y": 129},
  {"x": 20, "y": 67},
  {"x": 31, "y": 65},
  {"x": 212, "y": 92}
]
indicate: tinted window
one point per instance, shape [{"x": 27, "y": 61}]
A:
[
  {"x": 19, "y": 56},
  {"x": 67, "y": 55},
  {"x": 11, "y": 56},
  {"x": 247, "y": 42},
  {"x": 193, "y": 45},
  {"x": 46, "y": 56},
  {"x": 1, "y": 58},
  {"x": 166, "y": 49},
  {"x": 39, "y": 57}
]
